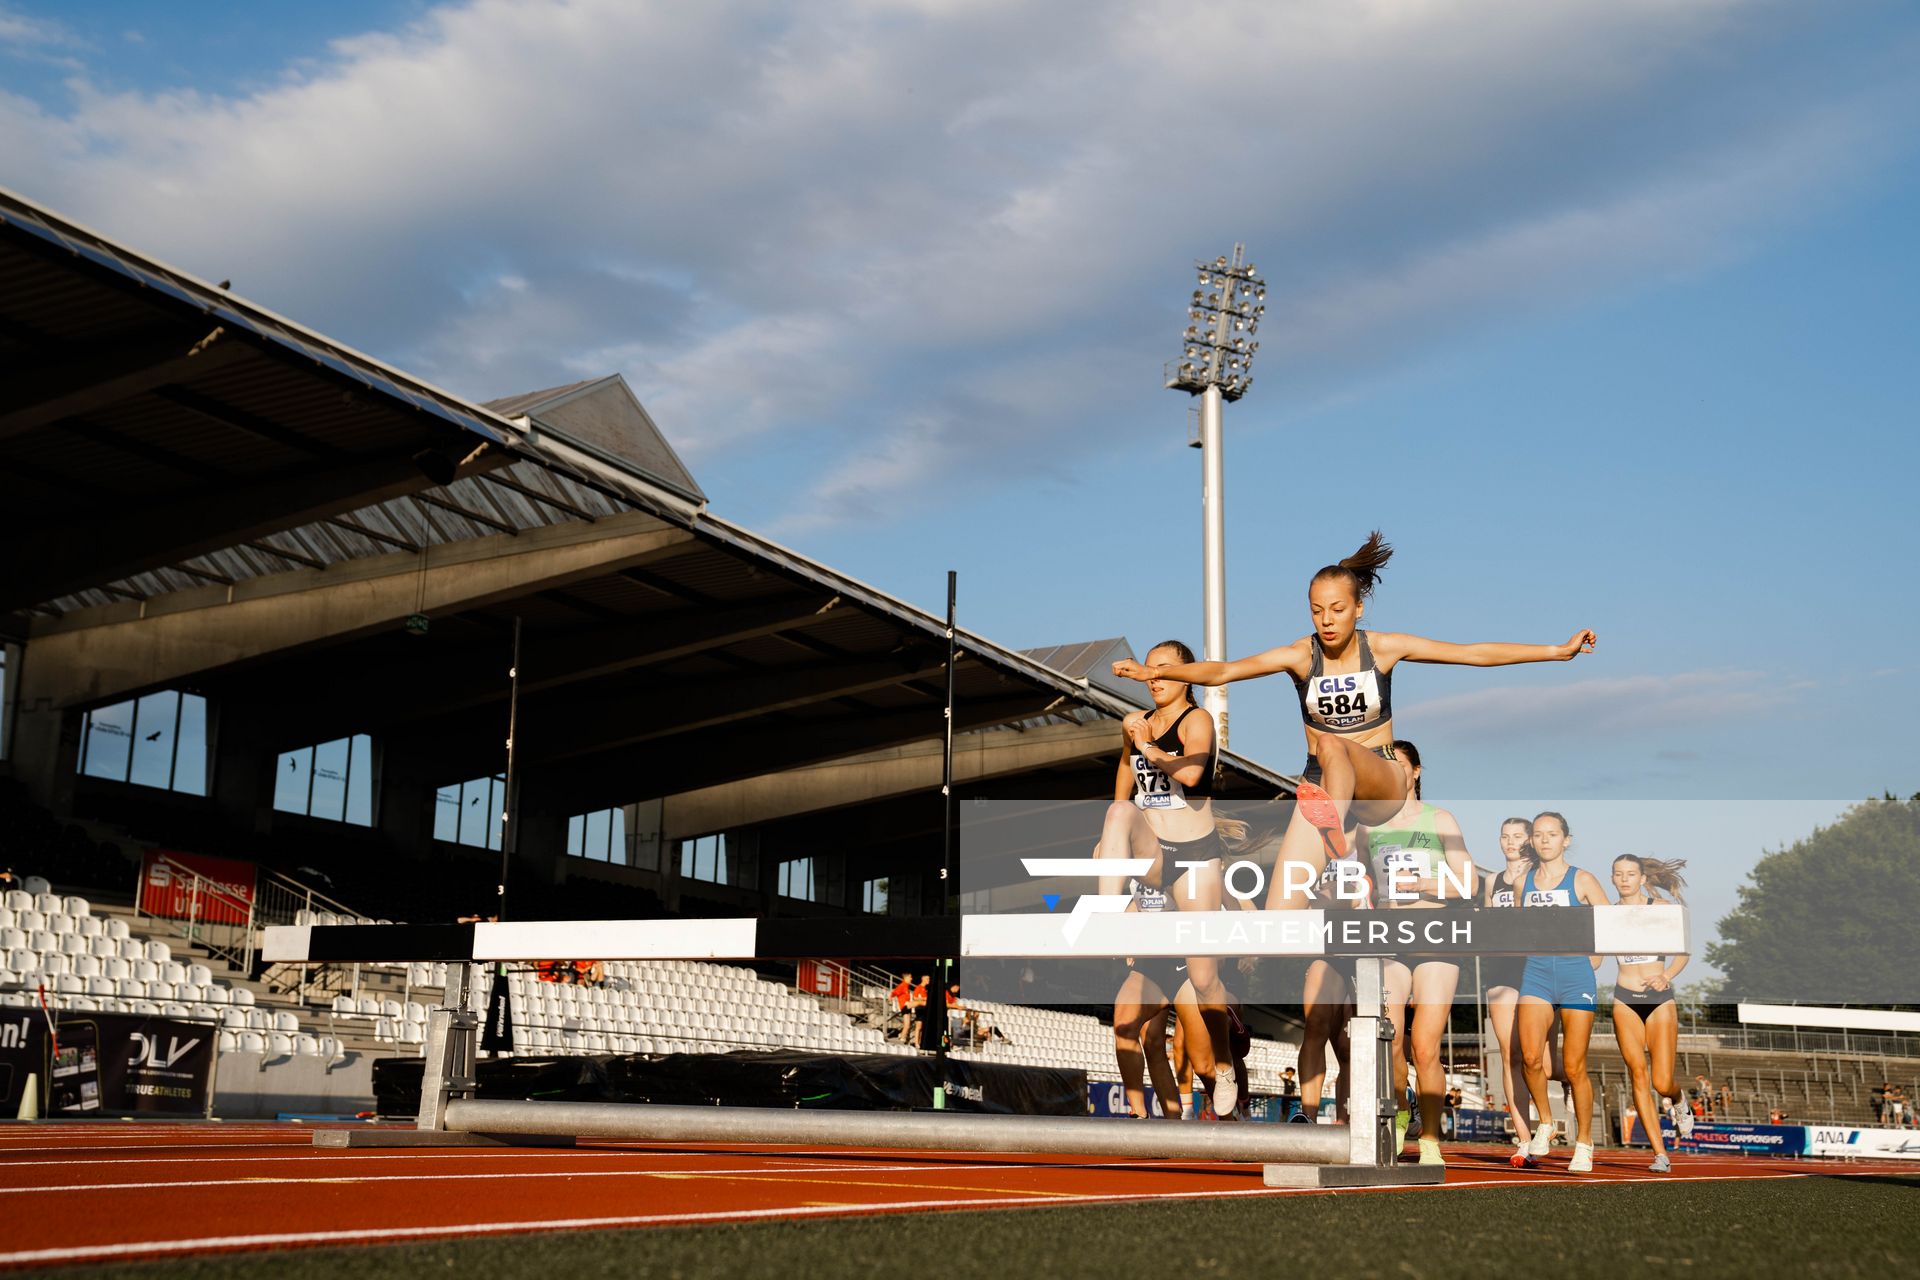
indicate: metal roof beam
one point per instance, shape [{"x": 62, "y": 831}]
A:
[
  {"x": 248, "y": 423},
  {"x": 119, "y": 372},
  {"x": 591, "y": 726}
]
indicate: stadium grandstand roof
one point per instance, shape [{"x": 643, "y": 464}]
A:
[{"x": 182, "y": 464}]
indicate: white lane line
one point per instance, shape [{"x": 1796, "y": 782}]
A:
[
  {"x": 136, "y": 1248},
  {"x": 268, "y": 1181},
  {"x": 148, "y": 1247}
]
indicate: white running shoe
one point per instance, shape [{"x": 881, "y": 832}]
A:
[
  {"x": 1684, "y": 1124},
  {"x": 1582, "y": 1161},
  {"x": 1430, "y": 1152},
  {"x": 1660, "y": 1164},
  {"x": 1542, "y": 1139},
  {"x": 1226, "y": 1091}
]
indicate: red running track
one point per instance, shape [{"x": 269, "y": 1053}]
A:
[{"x": 100, "y": 1191}]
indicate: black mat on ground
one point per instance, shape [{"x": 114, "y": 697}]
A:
[{"x": 861, "y": 1082}]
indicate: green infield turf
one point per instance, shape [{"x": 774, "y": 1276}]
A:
[{"x": 1863, "y": 1225}]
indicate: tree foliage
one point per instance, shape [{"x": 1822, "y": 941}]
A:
[{"x": 1832, "y": 919}]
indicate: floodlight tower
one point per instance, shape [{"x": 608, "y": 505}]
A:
[{"x": 1216, "y": 364}]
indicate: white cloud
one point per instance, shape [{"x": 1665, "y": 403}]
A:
[
  {"x": 1612, "y": 705},
  {"x": 795, "y": 220}
]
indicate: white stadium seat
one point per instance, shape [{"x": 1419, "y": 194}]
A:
[
  {"x": 286, "y": 1023},
  {"x": 280, "y": 1045},
  {"x": 104, "y": 947},
  {"x": 60, "y": 923},
  {"x": 18, "y": 901},
  {"x": 233, "y": 1020},
  {"x": 118, "y": 929},
  {"x": 90, "y": 927},
  {"x": 78, "y": 907},
  {"x": 241, "y": 995},
  {"x": 253, "y": 1042},
  {"x": 46, "y": 902},
  {"x": 229, "y": 1042}
]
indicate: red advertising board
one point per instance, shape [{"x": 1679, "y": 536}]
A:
[
  {"x": 167, "y": 887},
  {"x": 822, "y": 977}
]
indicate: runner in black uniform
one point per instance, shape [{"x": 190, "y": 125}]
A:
[
  {"x": 1162, "y": 811},
  {"x": 1645, "y": 1022},
  {"x": 1501, "y": 976},
  {"x": 1344, "y": 679}
]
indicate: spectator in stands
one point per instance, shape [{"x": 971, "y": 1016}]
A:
[
  {"x": 902, "y": 997},
  {"x": 1723, "y": 1099},
  {"x": 1776, "y": 1116},
  {"x": 1897, "y": 1107},
  {"x": 915, "y": 1029},
  {"x": 1289, "y": 1092},
  {"x": 1879, "y": 1097}
]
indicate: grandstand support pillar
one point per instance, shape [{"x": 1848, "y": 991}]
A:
[{"x": 1373, "y": 1157}]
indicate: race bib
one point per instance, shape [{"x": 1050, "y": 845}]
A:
[
  {"x": 1661, "y": 960},
  {"x": 1343, "y": 701},
  {"x": 1503, "y": 897},
  {"x": 1147, "y": 898},
  {"x": 1153, "y": 789},
  {"x": 1549, "y": 898}
]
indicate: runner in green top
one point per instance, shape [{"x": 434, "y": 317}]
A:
[{"x": 1419, "y": 861}]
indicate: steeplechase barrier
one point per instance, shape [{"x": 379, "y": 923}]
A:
[{"x": 1361, "y": 1153}]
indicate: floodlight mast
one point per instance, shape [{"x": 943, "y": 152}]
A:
[{"x": 1216, "y": 364}]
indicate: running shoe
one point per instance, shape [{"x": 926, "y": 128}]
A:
[
  {"x": 1684, "y": 1124},
  {"x": 1522, "y": 1158},
  {"x": 1226, "y": 1091},
  {"x": 1542, "y": 1140},
  {"x": 1317, "y": 807},
  {"x": 1582, "y": 1161},
  {"x": 1298, "y": 1117},
  {"x": 1430, "y": 1152},
  {"x": 1660, "y": 1164},
  {"x": 1401, "y": 1119}
]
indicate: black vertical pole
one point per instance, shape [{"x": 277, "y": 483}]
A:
[
  {"x": 510, "y": 811},
  {"x": 943, "y": 969}
]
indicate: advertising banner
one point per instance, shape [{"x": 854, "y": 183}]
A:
[
  {"x": 1863, "y": 1144},
  {"x": 1474, "y": 1124},
  {"x": 167, "y": 892},
  {"x": 822, "y": 977},
  {"x": 104, "y": 1064},
  {"x": 1724, "y": 1139}
]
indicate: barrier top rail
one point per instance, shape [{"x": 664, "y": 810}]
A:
[{"x": 1653, "y": 930}]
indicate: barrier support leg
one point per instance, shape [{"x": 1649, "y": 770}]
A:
[
  {"x": 1373, "y": 1159},
  {"x": 448, "y": 1071}
]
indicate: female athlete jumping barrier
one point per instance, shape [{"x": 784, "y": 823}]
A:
[
  {"x": 1163, "y": 811},
  {"x": 1558, "y": 983},
  {"x": 1344, "y": 678},
  {"x": 1420, "y": 863},
  {"x": 1645, "y": 1021}
]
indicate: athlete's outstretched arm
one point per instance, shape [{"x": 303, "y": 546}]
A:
[
  {"x": 1289, "y": 658},
  {"x": 1196, "y": 748},
  {"x": 1397, "y": 647}
]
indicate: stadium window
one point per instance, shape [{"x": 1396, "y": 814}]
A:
[
  {"x": 331, "y": 780},
  {"x": 469, "y": 812},
  {"x": 600, "y": 836},
  {"x": 796, "y": 879},
  {"x": 704, "y": 858},
  {"x": 159, "y": 741},
  {"x": 9, "y": 663},
  {"x": 873, "y": 897}
]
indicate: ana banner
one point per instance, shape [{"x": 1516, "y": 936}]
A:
[
  {"x": 1863, "y": 1144},
  {"x": 105, "y": 1064},
  {"x": 168, "y": 891}
]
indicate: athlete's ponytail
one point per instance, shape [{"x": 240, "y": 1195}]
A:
[
  {"x": 1185, "y": 654},
  {"x": 1659, "y": 873},
  {"x": 1401, "y": 747},
  {"x": 1361, "y": 569}
]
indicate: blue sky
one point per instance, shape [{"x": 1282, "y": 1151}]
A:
[{"x": 1603, "y": 312}]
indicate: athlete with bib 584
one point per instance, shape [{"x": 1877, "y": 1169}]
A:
[{"x": 1344, "y": 677}]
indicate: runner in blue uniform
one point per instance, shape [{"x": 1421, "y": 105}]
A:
[
  {"x": 1344, "y": 679},
  {"x": 1563, "y": 984}
]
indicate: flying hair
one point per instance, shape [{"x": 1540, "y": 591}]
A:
[
  {"x": 1661, "y": 873},
  {"x": 1361, "y": 570}
]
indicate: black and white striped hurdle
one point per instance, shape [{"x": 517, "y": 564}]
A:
[{"x": 1358, "y": 1154}]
